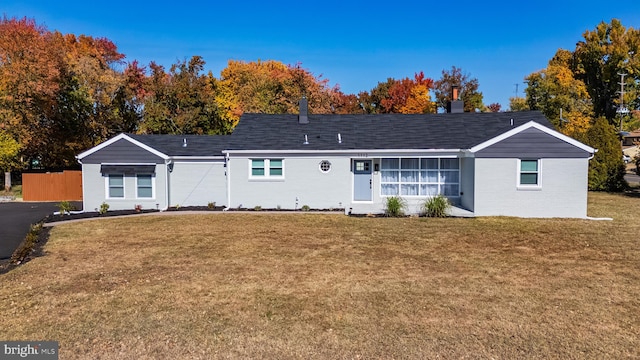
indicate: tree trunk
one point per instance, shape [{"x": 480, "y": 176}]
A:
[{"x": 7, "y": 180}]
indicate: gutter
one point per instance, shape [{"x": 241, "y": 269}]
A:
[
  {"x": 197, "y": 157},
  {"x": 355, "y": 152}
]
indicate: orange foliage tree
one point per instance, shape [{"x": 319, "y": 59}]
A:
[
  {"x": 404, "y": 96},
  {"x": 556, "y": 89},
  {"x": 272, "y": 87},
  {"x": 29, "y": 83},
  {"x": 56, "y": 91}
]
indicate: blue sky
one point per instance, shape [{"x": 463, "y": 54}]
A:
[{"x": 354, "y": 44}]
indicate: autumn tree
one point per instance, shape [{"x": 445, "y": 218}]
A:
[
  {"x": 578, "y": 92},
  {"x": 562, "y": 98},
  {"x": 584, "y": 83},
  {"x": 272, "y": 87},
  {"x": 9, "y": 150},
  {"x": 598, "y": 59},
  {"x": 128, "y": 101},
  {"x": 59, "y": 94},
  {"x": 29, "y": 82},
  {"x": 371, "y": 102},
  {"x": 468, "y": 87},
  {"x": 518, "y": 104},
  {"x": 409, "y": 96},
  {"x": 346, "y": 103},
  {"x": 182, "y": 101},
  {"x": 87, "y": 110},
  {"x": 494, "y": 107}
]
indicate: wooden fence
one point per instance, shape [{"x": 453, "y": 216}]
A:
[{"x": 66, "y": 185}]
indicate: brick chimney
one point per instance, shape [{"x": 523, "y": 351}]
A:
[
  {"x": 455, "y": 105},
  {"x": 303, "y": 116}
]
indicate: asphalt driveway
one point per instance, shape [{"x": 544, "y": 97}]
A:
[{"x": 15, "y": 219}]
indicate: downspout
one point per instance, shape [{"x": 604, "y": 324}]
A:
[
  {"x": 228, "y": 173},
  {"x": 83, "y": 184},
  {"x": 167, "y": 164},
  {"x": 592, "y": 155}
]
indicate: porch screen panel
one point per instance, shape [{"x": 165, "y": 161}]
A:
[
  {"x": 450, "y": 177},
  {"x": 390, "y": 173},
  {"x": 420, "y": 176},
  {"x": 409, "y": 176},
  {"x": 429, "y": 177}
]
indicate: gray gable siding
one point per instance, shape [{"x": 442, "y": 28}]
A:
[
  {"x": 532, "y": 143},
  {"x": 122, "y": 152}
]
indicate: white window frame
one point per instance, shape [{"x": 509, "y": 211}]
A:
[
  {"x": 267, "y": 169},
  {"x": 108, "y": 188},
  {"x": 519, "y": 172},
  {"x": 153, "y": 187},
  {"x": 439, "y": 183}
]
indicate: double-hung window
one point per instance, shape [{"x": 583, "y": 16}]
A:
[
  {"x": 275, "y": 167},
  {"x": 115, "y": 185},
  {"x": 257, "y": 167},
  {"x": 144, "y": 186},
  {"x": 529, "y": 173},
  {"x": 267, "y": 168}
]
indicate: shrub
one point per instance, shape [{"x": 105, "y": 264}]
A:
[
  {"x": 436, "y": 206},
  {"x": 305, "y": 208},
  {"x": 65, "y": 207},
  {"x": 606, "y": 169},
  {"x": 395, "y": 206},
  {"x": 257, "y": 208},
  {"x": 104, "y": 207},
  {"x": 138, "y": 208},
  {"x": 211, "y": 205}
]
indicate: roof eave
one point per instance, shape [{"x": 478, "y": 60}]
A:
[
  {"x": 122, "y": 136},
  {"x": 528, "y": 125},
  {"x": 197, "y": 157},
  {"x": 342, "y": 151}
]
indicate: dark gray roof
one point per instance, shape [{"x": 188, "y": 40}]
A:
[
  {"x": 374, "y": 132},
  {"x": 197, "y": 145},
  {"x": 366, "y": 132}
]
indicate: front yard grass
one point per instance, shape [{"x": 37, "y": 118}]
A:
[{"x": 330, "y": 286}]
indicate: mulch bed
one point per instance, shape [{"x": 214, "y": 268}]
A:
[
  {"x": 7, "y": 265},
  {"x": 110, "y": 213},
  {"x": 94, "y": 214}
]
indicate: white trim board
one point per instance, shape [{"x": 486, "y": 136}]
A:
[
  {"x": 535, "y": 125},
  {"x": 117, "y": 138}
]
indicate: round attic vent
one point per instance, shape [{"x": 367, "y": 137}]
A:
[{"x": 325, "y": 166}]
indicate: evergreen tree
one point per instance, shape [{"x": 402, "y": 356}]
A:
[{"x": 606, "y": 169}]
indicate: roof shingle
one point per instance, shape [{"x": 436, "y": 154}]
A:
[
  {"x": 197, "y": 145},
  {"x": 357, "y": 132},
  {"x": 373, "y": 132}
]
